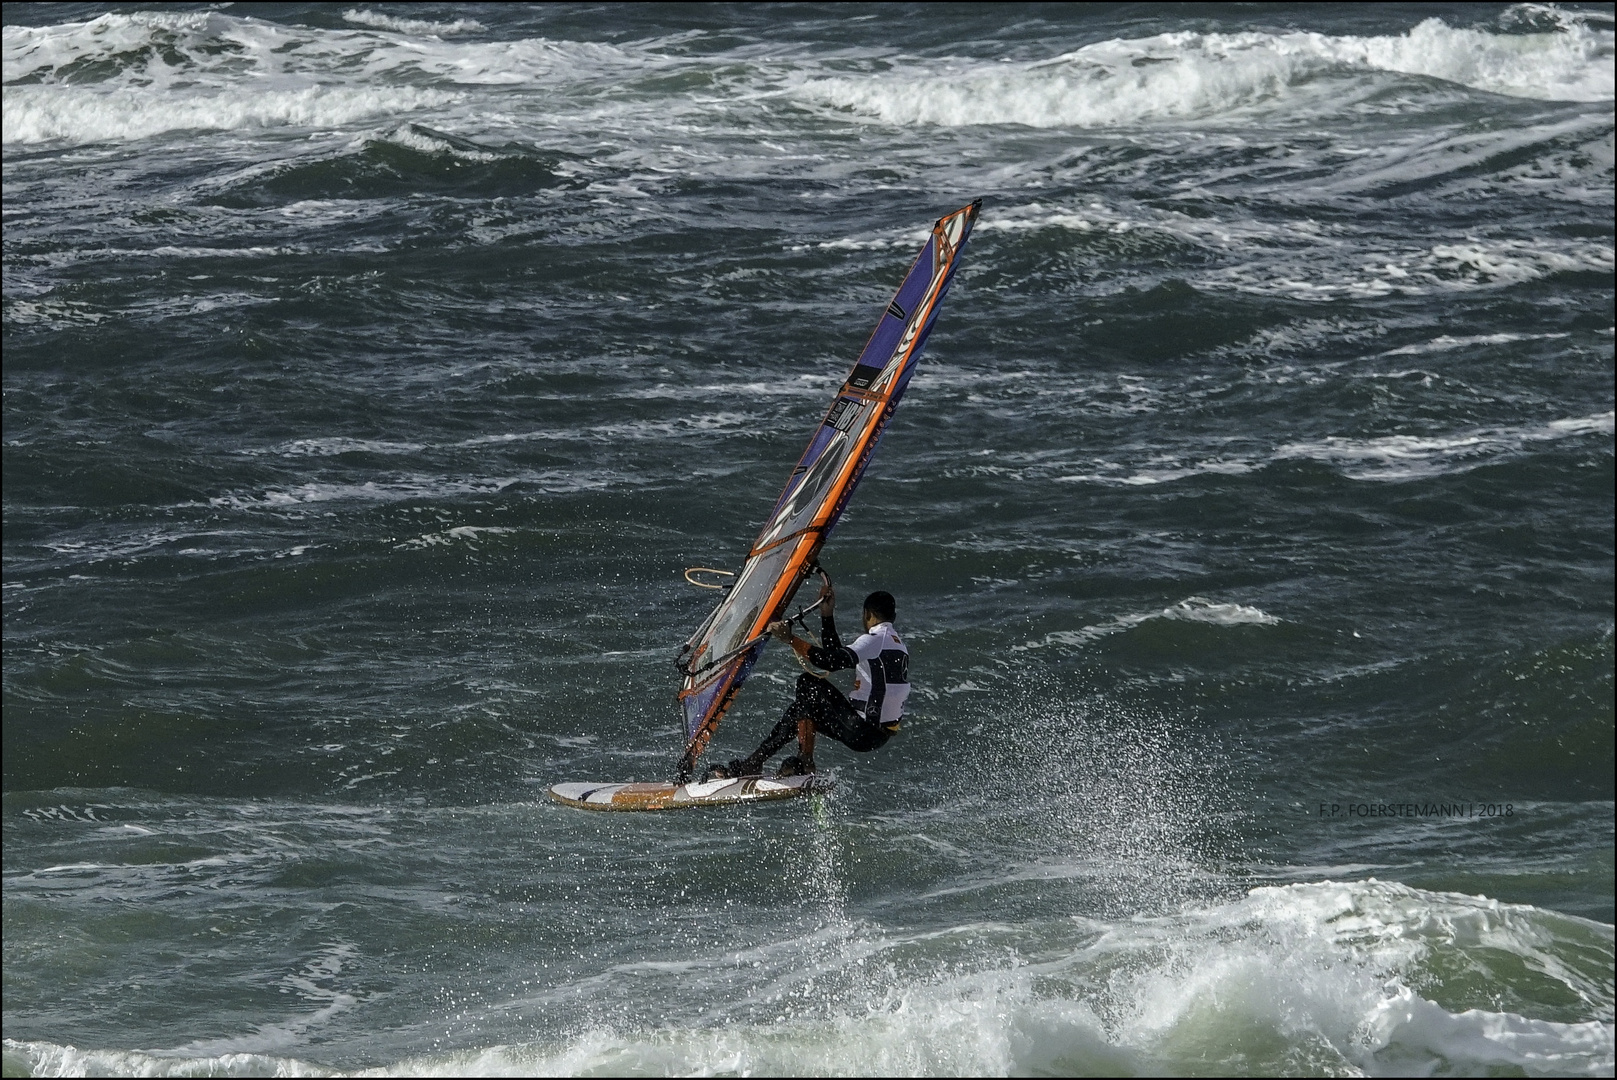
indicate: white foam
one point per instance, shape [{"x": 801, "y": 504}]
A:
[
  {"x": 1325, "y": 978},
  {"x": 1410, "y": 1031},
  {"x": 550, "y": 481},
  {"x": 155, "y": 72},
  {"x": 1599, "y": 424},
  {"x": 1305, "y": 260},
  {"x": 449, "y": 536},
  {"x": 1145, "y": 477},
  {"x": 1197, "y": 609},
  {"x": 416, "y": 139},
  {"x": 1444, "y": 343},
  {"x": 1188, "y": 75},
  {"x": 37, "y": 114},
  {"x": 134, "y": 74},
  {"x": 1331, "y": 964},
  {"x": 1475, "y": 265},
  {"x": 326, "y": 447},
  {"x": 1200, "y": 609},
  {"x": 387, "y": 491},
  {"x": 1404, "y": 457},
  {"x": 365, "y": 17},
  {"x": 1567, "y": 158}
]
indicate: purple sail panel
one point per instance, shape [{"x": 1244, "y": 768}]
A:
[
  {"x": 699, "y": 704},
  {"x": 890, "y": 329}
]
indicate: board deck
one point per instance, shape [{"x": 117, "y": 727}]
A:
[{"x": 597, "y": 796}]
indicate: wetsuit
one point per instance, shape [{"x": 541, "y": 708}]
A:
[{"x": 869, "y": 715}]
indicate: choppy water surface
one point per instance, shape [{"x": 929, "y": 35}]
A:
[{"x": 371, "y": 373}]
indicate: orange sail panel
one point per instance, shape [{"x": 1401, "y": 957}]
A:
[{"x": 717, "y": 658}]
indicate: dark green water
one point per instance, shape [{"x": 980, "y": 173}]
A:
[{"x": 370, "y": 376}]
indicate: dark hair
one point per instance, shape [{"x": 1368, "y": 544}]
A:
[{"x": 882, "y": 605}]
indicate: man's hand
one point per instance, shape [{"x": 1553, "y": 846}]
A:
[
  {"x": 828, "y": 598},
  {"x": 781, "y": 629}
]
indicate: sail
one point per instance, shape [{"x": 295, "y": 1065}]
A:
[{"x": 717, "y": 658}]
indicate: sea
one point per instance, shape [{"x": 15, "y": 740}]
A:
[{"x": 372, "y": 373}]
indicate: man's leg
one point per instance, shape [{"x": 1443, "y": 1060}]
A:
[
  {"x": 778, "y": 737},
  {"x": 805, "y": 743},
  {"x": 820, "y": 706},
  {"x": 813, "y": 698}
]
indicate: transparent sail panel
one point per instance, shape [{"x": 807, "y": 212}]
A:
[{"x": 739, "y": 612}]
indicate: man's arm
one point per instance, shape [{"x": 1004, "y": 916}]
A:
[
  {"x": 830, "y": 654},
  {"x": 828, "y": 620},
  {"x": 830, "y": 657}
]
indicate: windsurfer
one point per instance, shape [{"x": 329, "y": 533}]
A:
[{"x": 866, "y": 717}]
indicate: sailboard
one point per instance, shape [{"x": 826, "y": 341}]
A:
[
  {"x": 716, "y": 660},
  {"x": 672, "y": 796}
]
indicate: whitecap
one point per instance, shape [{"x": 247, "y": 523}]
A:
[
  {"x": 40, "y": 114},
  {"x": 376, "y": 19},
  {"x": 1331, "y": 977},
  {"x": 1197, "y": 609},
  {"x": 449, "y": 536},
  {"x": 1405, "y": 457},
  {"x": 1444, "y": 343},
  {"x": 1189, "y": 75},
  {"x": 329, "y": 445}
]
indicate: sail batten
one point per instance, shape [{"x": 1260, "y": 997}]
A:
[{"x": 721, "y": 653}]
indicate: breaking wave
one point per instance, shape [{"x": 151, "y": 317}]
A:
[
  {"x": 1363, "y": 977},
  {"x": 98, "y": 80},
  {"x": 1403, "y": 457},
  {"x": 365, "y": 17},
  {"x": 1188, "y": 75},
  {"x": 1195, "y": 609}
]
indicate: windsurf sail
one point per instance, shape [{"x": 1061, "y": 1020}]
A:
[{"x": 717, "y": 658}]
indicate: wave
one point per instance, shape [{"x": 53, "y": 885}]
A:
[
  {"x": 1188, "y": 76},
  {"x": 333, "y": 445},
  {"x": 1360, "y": 977},
  {"x": 1475, "y": 265},
  {"x": 1404, "y": 457},
  {"x": 1382, "y": 458},
  {"x": 1445, "y": 343},
  {"x": 410, "y": 160},
  {"x": 449, "y": 536},
  {"x": 134, "y": 75},
  {"x": 36, "y": 114},
  {"x": 1194, "y": 609},
  {"x": 163, "y": 50},
  {"x": 403, "y": 489},
  {"x": 1303, "y": 260},
  {"x": 363, "y": 17}
]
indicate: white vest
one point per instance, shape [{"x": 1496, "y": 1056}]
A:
[{"x": 882, "y": 679}]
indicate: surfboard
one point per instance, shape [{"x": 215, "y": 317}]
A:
[{"x": 742, "y": 789}]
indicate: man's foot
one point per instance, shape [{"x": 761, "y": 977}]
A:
[
  {"x": 796, "y": 766},
  {"x": 737, "y": 767}
]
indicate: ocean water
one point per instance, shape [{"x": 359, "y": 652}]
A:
[{"x": 371, "y": 373}]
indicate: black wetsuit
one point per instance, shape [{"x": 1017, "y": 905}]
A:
[{"x": 834, "y": 716}]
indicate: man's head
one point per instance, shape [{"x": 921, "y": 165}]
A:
[{"x": 880, "y": 607}]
